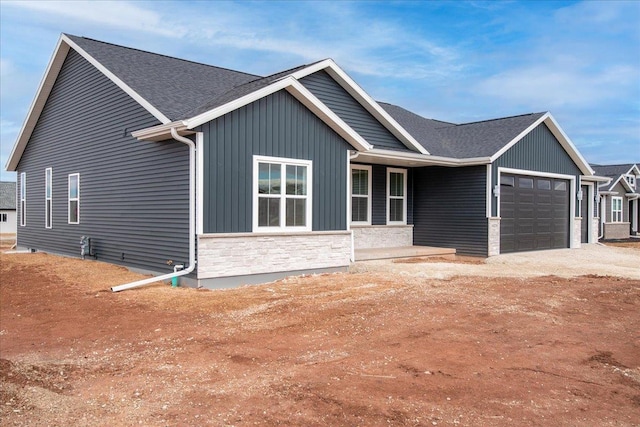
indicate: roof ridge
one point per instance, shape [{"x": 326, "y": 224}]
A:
[
  {"x": 499, "y": 118},
  {"x": 165, "y": 56}
]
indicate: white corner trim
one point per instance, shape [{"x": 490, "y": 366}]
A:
[
  {"x": 489, "y": 192},
  {"x": 118, "y": 82},
  {"x": 364, "y": 99},
  {"x": 199, "y": 183}
]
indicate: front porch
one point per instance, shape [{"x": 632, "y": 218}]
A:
[{"x": 369, "y": 254}]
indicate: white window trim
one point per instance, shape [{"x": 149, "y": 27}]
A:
[
  {"x": 283, "y": 197},
  {"x": 368, "y": 196},
  {"x": 48, "y": 209},
  {"x": 404, "y": 192},
  {"x": 23, "y": 199},
  {"x": 69, "y": 199},
  {"x": 614, "y": 211}
]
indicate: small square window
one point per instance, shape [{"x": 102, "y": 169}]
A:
[
  {"x": 525, "y": 182},
  {"x": 560, "y": 185},
  {"x": 509, "y": 181},
  {"x": 544, "y": 184}
]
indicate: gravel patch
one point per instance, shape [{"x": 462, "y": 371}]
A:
[{"x": 591, "y": 259}]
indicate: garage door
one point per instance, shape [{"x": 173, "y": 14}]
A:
[{"x": 534, "y": 213}]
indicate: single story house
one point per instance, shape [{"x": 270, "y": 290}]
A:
[
  {"x": 7, "y": 207},
  {"x": 619, "y": 213},
  {"x": 243, "y": 178}
]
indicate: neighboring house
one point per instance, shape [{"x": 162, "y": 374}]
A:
[
  {"x": 7, "y": 207},
  {"x": 619, "y": 212},
  {"x": 157, "y": 159}
]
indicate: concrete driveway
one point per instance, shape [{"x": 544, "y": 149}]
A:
[{"x": 591, "y": 259}]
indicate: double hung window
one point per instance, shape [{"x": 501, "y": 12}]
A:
[
  {"x": 360, "y": 194},
  {"x": 48, "y": 199},
  {"x": 282, "y": 194},
  {"x": 396, "y": 196},
  {"x": 23, "y": 199},
  {"x": 616, "y": 209},
  {"x": 74, "y": 198}
]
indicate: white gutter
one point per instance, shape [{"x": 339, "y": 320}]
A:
[{"x": 192, "y": 222}]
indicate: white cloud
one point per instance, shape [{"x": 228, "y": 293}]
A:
[
  {"x": 116, "y": 14},
  {"x": 552, "y": 85}
]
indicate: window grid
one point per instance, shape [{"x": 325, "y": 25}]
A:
[
  {"x": 282, "y": 199},
  {"x": 361, "y": 195},
  {"x": 396, "y": 196},
  {"x": 616, "y": 209}
]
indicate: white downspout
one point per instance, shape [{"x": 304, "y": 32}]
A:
[{"x": 192, "y": 222}]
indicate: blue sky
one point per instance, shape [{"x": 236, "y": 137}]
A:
[{"x": 454, "y": 61}]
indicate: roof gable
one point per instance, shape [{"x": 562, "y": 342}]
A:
[{"x": 616, "y": 172}]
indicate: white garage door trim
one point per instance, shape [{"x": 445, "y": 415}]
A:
[{"x": 572, "y": 192}]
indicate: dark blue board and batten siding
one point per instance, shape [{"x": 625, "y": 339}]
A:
[
  {"x": 327, "y": 90},
  {"x": 538, "y": 151},
  {"x": 279, "y": 126},
  {"x": 133, "y": 195},
  {"x": 449, "y": 208}
]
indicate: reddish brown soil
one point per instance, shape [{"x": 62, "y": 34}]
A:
[{"x": 343, "y": 349}]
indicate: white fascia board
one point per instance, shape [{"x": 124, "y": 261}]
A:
[
  {"x": 122, "y": 85},
  {"x": 637, "y": 172},
  {"x": 302, "y": 94},
  {"x": 161, "y": 132},
  {"x": 596, "y": 178},
  {"x": 364, "y": 99},
  {"x": 425, "y": 160},
  {"x": 38, "y": 103},
  {"x": 557, "y": 131}
]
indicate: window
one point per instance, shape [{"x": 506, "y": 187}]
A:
[
  {"x": 544, "y": 184},
  {"x": 396, "y": 196},
  {"x": 3, "y": 217},
  {"x": 631, "y": 179},
  {"x": 279, "y": 207},
  {"x": 509, "y": 181},
  {"x": 525, "y": 182},
  {"x": 48, "y": 201},
  {"x": 616, "y": 209},
  {"x": 74, "y": 198},
  {"x": 360, "y": 194},
  {"x": 560, "y": 185},
  {"x": 23, "y": 199}
]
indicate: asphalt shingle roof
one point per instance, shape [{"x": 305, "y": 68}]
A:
[
  {"x": 466, "y": 140},
  {"x": 174, "y": 86},
  {"x": 182, "y": 89},
  {"x": 7, "y": 195},
  {"x": 611, "y": 171}
]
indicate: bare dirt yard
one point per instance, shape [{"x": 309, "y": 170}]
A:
[{"x": 368, "y": 348}]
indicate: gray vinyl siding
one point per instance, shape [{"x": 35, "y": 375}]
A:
[
  {"x": 537, "y": 151},
  {"x": 379, "y": 194},
  {"x": 449, "y": 208},
  {"x": 133, "y": 194},
  {"x": 280, "y": 126},
  {"x": 351, "y": 111}
]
